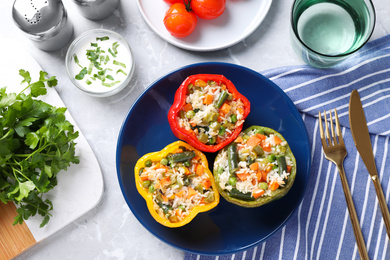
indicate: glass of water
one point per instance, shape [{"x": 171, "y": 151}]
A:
[{"x": 325, "y": 32}]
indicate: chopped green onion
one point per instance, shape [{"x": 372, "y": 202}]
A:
[
  {"x": 111, "y": 84},
  {"x": 115, "y": 45},
  {"x": 94, "y": 44},
  {"x": 102, "y": 38},
  {"x": 107, "y": 59},
  {"x": 109, "y": 77},
  {"x": 81, "y": 75},
  {"x": 76, "y": 60},
  {"x": 110, "y": 51},
  {"x": 119, "y": 63},
  {"x": 121, "y": 71},
  {"x": 90, "y": 68},
  {"x": 88, "y": 82}
]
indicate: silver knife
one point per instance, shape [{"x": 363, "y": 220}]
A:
[{"x": 361, "y": 137}]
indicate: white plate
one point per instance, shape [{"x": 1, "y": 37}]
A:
[{"x": 239, "y": 20}]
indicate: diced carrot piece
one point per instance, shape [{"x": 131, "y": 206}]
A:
[
  {"x": 178, "y": 151},
  {"x": 165, "y": 199},
  {"x": 199, "y": 170},
  {"x": 144, "y": 176},
  {"x": 264, "y": 176},
  {"x": 273, "y": 185},
  {"x": 261, "y": 136},
  {"x": 187, "y": 107},
  {"x": 180, "y": 194},
  {"x": 178, "y": 212},
  {"x": 259, "y": 176},
  {"x": 206, "y": 184},
  {"x": 200, "y": 83},
  {"x": 257, "y": 193},
  {"x": 165, "y": 181},
  {"x": 208, "y": 99},
  {"x": 266, "y": 146},
  {"x": 225, "y": 108},
  {"x": 277, "y": 140},
  {"x": 289, "y": 168},
  {"x": 157, "y": 185},
  {"x": 186, "y": 171},
  {"x": 243, "y": 176},
  {"x": 223, "y": 87},
  {"x": 191, "y": 192},
  {"x": 253, "y": 141},
  {"x": 239, "y": 139},
  {"x": 240, "y": 110},
  {"x": 254, "y": 166}
]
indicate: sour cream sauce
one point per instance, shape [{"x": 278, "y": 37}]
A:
[{"x": 123, "y": 58}]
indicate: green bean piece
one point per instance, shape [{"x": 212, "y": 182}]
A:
[
  {"x": 202, "y": 137},
  {"x": 212, "y": 140},
  {"x": 182, "y": 207},
  {"x": 148, "y": 163},
  {"x": 210, "y": 117},
  {"x": 181, "y": 157},
  {"x": 199, "y": 188},
  {"x": 263, "y": 186},
  {"x": 232, "y": 157},
  {"x": 258, "y": 150},
  {"x": 239, "y": 195},
  {"x": 233, "y": 118},
  {"x": 282, "y": 164},
  {"x": 187, "y": 163},
  {"x": 215, "y": 125},
  {"x": 190, "y": 88},
  {"x": 209, "y": 198},
  {"x": 221, "y": 99}
]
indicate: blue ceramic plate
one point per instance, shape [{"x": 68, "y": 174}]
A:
[{"x": 227, "y": 228}]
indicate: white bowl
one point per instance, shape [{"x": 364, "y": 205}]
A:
[{"x": 90, "y": 84}]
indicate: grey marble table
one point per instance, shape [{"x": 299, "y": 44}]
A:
[{"x": 110, "y": 231}]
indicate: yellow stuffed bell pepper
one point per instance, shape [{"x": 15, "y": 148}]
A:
[{"x": 176, "y": 184}]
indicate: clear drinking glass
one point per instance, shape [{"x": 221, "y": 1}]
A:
[{"x": 325, "y": 32}]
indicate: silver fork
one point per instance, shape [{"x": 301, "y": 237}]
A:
[{"x": 335, "y": 151}]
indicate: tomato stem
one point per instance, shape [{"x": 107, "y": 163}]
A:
[{"x": 187, "y": 3}]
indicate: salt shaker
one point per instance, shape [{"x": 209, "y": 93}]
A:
[
  {"x": 96, "y": 9},
  {"x": 44, "y": 22}
]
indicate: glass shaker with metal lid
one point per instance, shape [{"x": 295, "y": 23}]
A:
[
  {"x": 45, "y": 22},
  {"x": 96, "y": 9}
]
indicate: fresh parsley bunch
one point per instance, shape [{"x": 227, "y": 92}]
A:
[{"x": 36, "y": 143}]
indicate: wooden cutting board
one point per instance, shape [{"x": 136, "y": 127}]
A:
[{"x": 79, "y": 189}]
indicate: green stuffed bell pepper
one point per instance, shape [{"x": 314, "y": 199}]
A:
[{"x": 255, "y": 169}]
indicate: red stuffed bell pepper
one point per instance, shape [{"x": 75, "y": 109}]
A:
[{"x": 208, "y": 112}]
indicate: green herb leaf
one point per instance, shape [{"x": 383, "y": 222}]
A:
[
  {"x": 81, "y": 74},
  {"x": 36, "y": 143}
]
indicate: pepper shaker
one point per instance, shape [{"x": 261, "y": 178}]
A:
[
  {"x": 96, "y": 9},
  {"x": 44, "y": 22}
]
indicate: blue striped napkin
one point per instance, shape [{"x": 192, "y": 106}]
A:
[{"x": 320, "y": 228}]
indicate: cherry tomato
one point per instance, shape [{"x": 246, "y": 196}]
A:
[
  {"x": 208, "y": 9},
  {"x": 179, "y": 20},
  {"x": 171, "y": 2}
]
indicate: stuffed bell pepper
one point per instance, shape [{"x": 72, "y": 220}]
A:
[
  {"x": 208, "y": 112},
  {"x": 176, "y": 183},
  {"x": 255, "y": 169}
]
